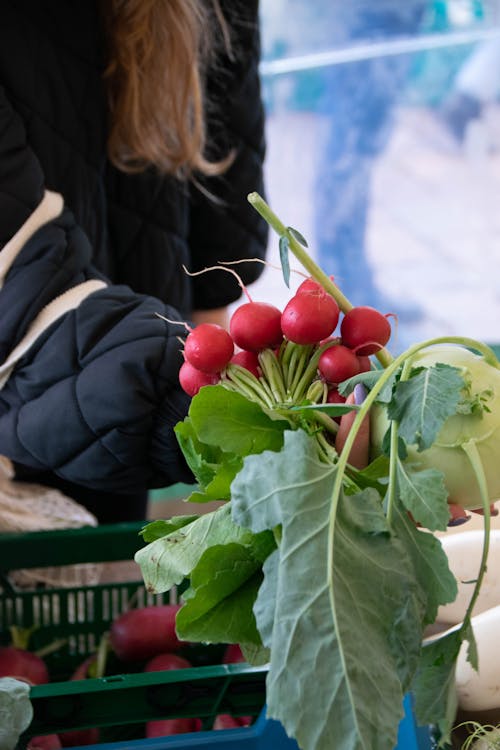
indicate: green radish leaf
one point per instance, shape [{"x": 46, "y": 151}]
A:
[
  {"x": 156, "y": 529},
  {"x": 224, "y": 584},
  {"x": 377, "y": 470},
  {"x": 468, "y": 635},
  {"x": 424, "y": 494},
  {"x": 434, "y": 687},
  {"x": 167, "y": 561},
  {"x": 214, "y": 469},
  {"x": 375, "y": 475},
  {"x": 298, "y": 236},
  {"x": 422, "y": 404},
  {"x": 236, "y": 425},
  {"x": 430, "y": 564},
  {"x": 285, "y": 259},
  {"x": 257, "y": 656},
  {"x": 336, "y": 603},
  {"x": 220, "y": 486}
]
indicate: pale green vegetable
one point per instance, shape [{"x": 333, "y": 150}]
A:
[
  {"x": 477, "y": 424},
  {"x": 16, "y": 711}
]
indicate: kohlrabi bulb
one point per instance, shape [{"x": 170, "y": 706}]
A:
[{"x": 482, "y": 426}]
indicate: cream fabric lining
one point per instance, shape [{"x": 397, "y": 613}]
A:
[{"x": 49, "y": 208}]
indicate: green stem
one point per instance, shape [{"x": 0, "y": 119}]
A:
[
  {"x": 326, "y": 451},
  {"x": 317, "y": 392},
  {"x": 272, "y": 372},
  {"x": 393, "y": 453},
  {"x": 102, "y": 655},
  {"x": 316, "y": 272},
  {"x": 51, "y": 647},
  {"x": 291, "y": 364},
  {"x": 20, "y": 637},
  {"x": 267, "y": 388},
  {"x": 309, "y": 373},
  {"x": 329, "y": 424},
  {"x": 470, "y": 449},
  {"x": 286, "y": 351},
  {"x": 243, "y": 381},
  {"x": 296, "y": 372}
]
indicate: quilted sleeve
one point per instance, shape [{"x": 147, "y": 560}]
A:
[
  {"x": 228, "y": 228},
  {"x": 96, "y": 398}
]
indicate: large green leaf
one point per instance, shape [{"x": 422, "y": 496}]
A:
[
  {"x": 218, "y": 605},
  {"x": 423, "y": 403},
  {"x": 160, "y": 528},
  {"x": 424, "y": 494},
  {"x": 347, "y": 610},
  {"x": 434, "y": 684},
  {"x": 213, "y": 468},
  {"x": 430, "y": 564},
  {"x": 167, "y": 561}
]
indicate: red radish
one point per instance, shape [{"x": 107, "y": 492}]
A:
[
  {"x": 309, "y": 285},
  {"x": 23, "y": 665},
  {"x": 141, "y": 633},
  {"x": 192, "y": 380},
  {"x": 166, "y": 661},
  {"x": 226, "y": 721},
  {"x": 44, "y": 742},
  {"x": 338, "y": 363},
  {"x": 209, "y": 347},
  {"x": 248, "y": 360},
  {"x": 365, "y": 364},
  {"x": 165, "y": 727},
  {"x": 365, "y": 330},
  {"x": 334, "y": 397},
  {"x": 255, "y": 326},
  {"x": 233, "y": 654},
  {"x": 309, "y": 317},
  {"x": 77, "y": 737},
  {"x": 82, "y": 671}
]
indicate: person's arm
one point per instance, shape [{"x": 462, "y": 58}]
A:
[{"x": 89, "y": 384}]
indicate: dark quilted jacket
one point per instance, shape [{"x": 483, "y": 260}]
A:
[{"x": 96, "y": 397}]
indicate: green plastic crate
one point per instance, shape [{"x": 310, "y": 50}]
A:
[{"x": 120, "y": 703}]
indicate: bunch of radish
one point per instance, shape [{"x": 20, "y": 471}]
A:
[
  {"x": 279, "y": 357},
  {"x": 142, "y": 638}
]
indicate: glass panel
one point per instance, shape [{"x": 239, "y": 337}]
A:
[{"x": 383, "y": 127}]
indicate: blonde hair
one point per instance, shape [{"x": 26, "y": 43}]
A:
[{"x": 158, "y": 51}]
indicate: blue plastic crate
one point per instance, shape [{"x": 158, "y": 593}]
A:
[
  {"x": 264, "y": 734},
  {"x": 410, "y": 735}
]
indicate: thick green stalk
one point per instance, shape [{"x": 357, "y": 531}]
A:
[
  {"x": 272, "y": 372},
  {"x": 241, "y": 379},
  {"x": 393, "y": 452},
  {"x": 470, "y": 449}
]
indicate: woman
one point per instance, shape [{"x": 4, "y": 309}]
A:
[{"x": 130, "y": 135}]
